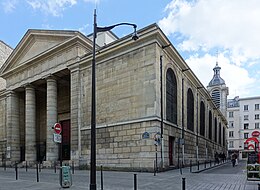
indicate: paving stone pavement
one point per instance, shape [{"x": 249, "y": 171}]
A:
[{"x": 222, "y": 177}]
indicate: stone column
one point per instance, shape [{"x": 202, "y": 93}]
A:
[
  {"x": 52, "y": 150},
  {"x": 13, "y": 128},
  {"x": 30, "y": 124}
]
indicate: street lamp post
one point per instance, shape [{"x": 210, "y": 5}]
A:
[{"x": 93, "y": 185}]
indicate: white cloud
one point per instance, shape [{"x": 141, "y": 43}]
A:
[
  {"x": 199, "y": 27},
  {"x": 9, "y": 5},
  {"x": 236, "y": 78},
  {"x": 229, "y": 24},
  {"x": 53, "y": 7}
]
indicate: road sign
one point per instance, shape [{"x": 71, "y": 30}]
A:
[
  {"x": 56, "y": 138},
  {"x": 57, "y": 128}
]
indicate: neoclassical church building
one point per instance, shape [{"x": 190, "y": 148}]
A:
[{"x": 148, "y": 101}]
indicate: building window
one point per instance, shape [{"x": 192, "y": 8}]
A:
[
  {"x": 219, "y": 134},
  {"x": 245, "y": 107},
  {"x": 256, "y": 125},
  {"x": 246, "y": 125},
  {"x": 231, "y": 134},
  {"x": 256, "y": 106},
  {"x": 230, "y": 114},
  {"x": 171, "y": 97},
  {"x": 210, "y": 125},
  {"x": 231, "y": 144},
  {"x": 256, "y": 116},
  {"x": 245, "y": 117},
  {"x": 231, "y": 124},
  {"x": 245, "y": 135},
  {"x": 202, "y": 119},
  {"x": 216, "y": 97},
  {"x": 216, "y": 130},
  {"x": 190, "y": 110}
]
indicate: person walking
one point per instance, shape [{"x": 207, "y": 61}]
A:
[{"x": 233, "y": 159}]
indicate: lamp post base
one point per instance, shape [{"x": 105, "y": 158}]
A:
[{"x": 92, "y": 187}]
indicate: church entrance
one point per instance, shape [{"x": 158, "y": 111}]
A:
[
  {"x": 65, "y": 139},
  {"x": 171, "y": 150}
]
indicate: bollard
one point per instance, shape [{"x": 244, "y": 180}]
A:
[
  {"x": 210, "y": 163},
  {"x": 190, "y": 166},
  {"x": 183, "y": 183},
  {"x": 5, "y": 165},
  {"x": 205, "y": 164},
  {"x": 37, "y": 173},
  {"x": 135, "y": 181},
  {"x": 198, "y": 165},
  {"x": 154, "y": 170},
  {"x": 101, "y": 175},
  {"x": 55, "y": 167},
  {"x": 26, "y": 166},
  {"x": 16, "y": 171},
  {"x": 181, "y": 170}
]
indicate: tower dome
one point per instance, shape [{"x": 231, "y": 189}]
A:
[{"x": 216, "y": 80}]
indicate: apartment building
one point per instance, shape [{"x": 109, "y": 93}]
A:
[{"x": 243, "y": 123}]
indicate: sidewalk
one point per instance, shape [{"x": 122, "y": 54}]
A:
[{"x": 169, "y": 180}]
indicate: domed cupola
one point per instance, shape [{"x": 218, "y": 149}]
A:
[{"x": 216, "y": 80}]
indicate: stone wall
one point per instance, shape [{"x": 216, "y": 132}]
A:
[{"x": 122, "y": 146}]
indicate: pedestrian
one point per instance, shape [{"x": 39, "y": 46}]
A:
[
  {"x": 233, "y": 159},
  {"x": 236, "y": 159},
  {"x": 216, "y": 158}
]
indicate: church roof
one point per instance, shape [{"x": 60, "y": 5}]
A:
[{"x": 216, "y": 80}]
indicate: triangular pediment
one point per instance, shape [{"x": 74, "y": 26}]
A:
[{"x": 36, "y": 43}]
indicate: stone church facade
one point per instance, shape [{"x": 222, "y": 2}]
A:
[{"x": 48, "y": 80}]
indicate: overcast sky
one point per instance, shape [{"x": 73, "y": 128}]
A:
[{"x": 203, "y": 31}]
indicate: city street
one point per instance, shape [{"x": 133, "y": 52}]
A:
[{"x": 218, "y": 178}]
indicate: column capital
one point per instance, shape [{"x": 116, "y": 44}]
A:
[{"x": 50, "y": 77}]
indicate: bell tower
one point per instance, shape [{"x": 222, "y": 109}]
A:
[{"x": 218, "y": 90}]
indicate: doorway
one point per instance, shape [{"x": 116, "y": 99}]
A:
[
  {"x": 171, "y": 150},
  {"x": 65, "y": 139}
]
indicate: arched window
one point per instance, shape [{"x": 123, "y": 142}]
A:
[
  {"x": 216, "y": 97},
  {"x": 224, "y": 136},
  {"x": 202, "y": 119},
  {"x": 216, "y": 130},
  {"x": 171, "y": 97},
  {"x": 219, "y": 134},
  {"x": 210, "y": 125},
  {"x": 190, "y": 110}
]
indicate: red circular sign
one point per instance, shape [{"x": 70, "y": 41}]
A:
[
  {"x": 255, "y": 133},
  {"x": 57, "y": 128}
]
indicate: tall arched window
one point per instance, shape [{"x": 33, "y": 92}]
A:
[
  {"x": 210, "y": 125},
  {"x": 219, "y": 134},
  {"x": 202, "y": 118},
  {"x": 190, "y": 110},
  {"x": 216, "y": 130},
  {"x": 224, "y": 136},
  {"x": 171, "y": 97}
]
